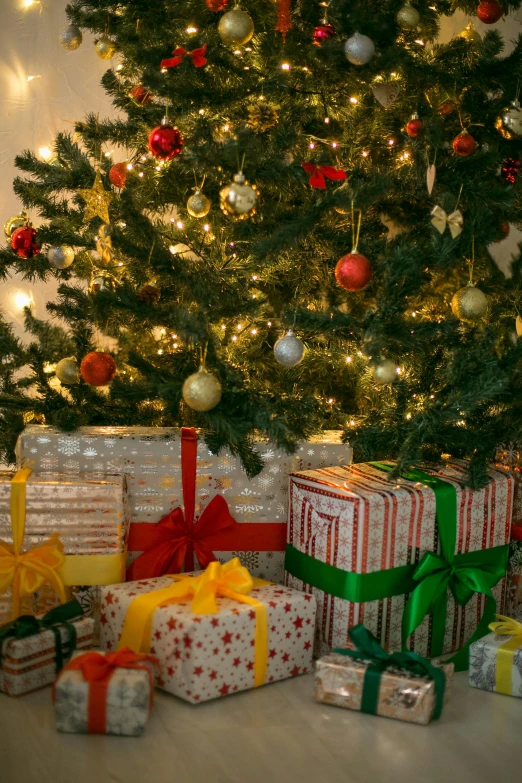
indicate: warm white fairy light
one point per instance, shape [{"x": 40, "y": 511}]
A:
[
  {"x": 33, "y": 77},
  {"x": 140, "y": 174},
  {"x": 239, "y": 327},
  {"x": 191, "y": 30},
  {"x": 253, "y": 331},
  {"x": 234, "y": 338},
  {"x": 285, "y": 66},
  {"x": 408, "y": 415},
  {"x": 179, "y": 224},
  {"x": 45, "y": 153},
  {"x": 226, "y": 127},
  {"x": 254, "y": 277},
  {"x": 238, "y": 51},
  {"x": 391, "y": 142},
  {"x": 364, "y": 154},
  {"x": 269, "y": 323},
  {"x": 331, "y": 401},
  {"x": 160, "y": 351},
  {"x": 398, "y": 370},
  {"x": 174, "y": 345},
  {"x": 353, "y": 100},
  {"x": 206, "y": 227},
  {"x": 158, "y": 168},
  {"x": 327, "y": 120},
  {"x": 348, "y": 359},
  {"x": 334, "y": 145},
  {"x": 223, "y": 327},
  {"x": 311, "y": 146},
  {"x": 22, "y": 299},
  {"x": 129, "y": 166},
  {"x": 163, "y": 332}
]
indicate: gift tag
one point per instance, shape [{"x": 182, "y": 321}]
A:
[
  {"x": 431, "y": 173},
  {"x": 386, "y": 94}
]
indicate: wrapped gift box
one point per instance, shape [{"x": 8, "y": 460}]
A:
[
  {"x": 204, "y": 657},
  {"x": 514, "y": 574},
  {"x": 495, "y": 661},
  {"x": 151, "y": 459},
  {"x": 117, "y": 701},
  {"x": 355, "y": 521}
]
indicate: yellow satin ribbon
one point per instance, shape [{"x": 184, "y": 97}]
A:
[
  {"x": 231, "y": 580},
  {"x": 26, "y": 572},
  {"x": 506, "y": 652}
]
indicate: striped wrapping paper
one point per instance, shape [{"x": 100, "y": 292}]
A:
[{"x": 357, "y": 520}]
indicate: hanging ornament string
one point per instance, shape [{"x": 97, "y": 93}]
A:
[
  {"x": 284, "y": 17},
  {"x": 471, "y": 261},
  {"x": 356, "y": 232}
]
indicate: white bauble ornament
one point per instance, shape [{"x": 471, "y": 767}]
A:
[
  {"x": 60, "y": 256},
  {"x": 359, "y": 49},
  {"x": 385, "y": 371},
  {"x": 408, "y": 17},
  {"x": 67, "y": 371},
  {"x": 289, "y": 350}
]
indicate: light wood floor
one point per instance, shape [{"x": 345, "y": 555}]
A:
[{"x": 276, "y": 734}]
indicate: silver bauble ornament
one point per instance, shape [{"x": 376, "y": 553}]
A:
[
  {"x": 289, "y": 350},
  {"x": 202, "y": 390},
  {"x": 198, "y": 205},
  {"x": 469, "y": 304},
  {"x": 408, "y": 17},
  {"x": 509, "y": 122},
  {"x": 359, "y": 49},
  {"x": 102, "y": 281},
  {"x": 18, "y": 221},
  {"x": 105, "y": 48},
  {"x": 71, "y": 38},
  {"x": 239, "y": 198},
  {"x": 67, "y": 370},
  {"x": 60, "y": 256},
  {"x": 385, "y": 371},
  {"x": 236, "y": 27}
]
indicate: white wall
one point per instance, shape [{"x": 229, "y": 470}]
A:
[{"x": 66, "y": 90}]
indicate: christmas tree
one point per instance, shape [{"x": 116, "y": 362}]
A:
[{"x": 291, "y": 235}]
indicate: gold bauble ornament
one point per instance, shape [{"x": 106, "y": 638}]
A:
[
  {"x": 408, "y": 17},
  {"x": 509, "y": 122},
  {"x": 18, "y": 221},
  {"x": 71, "y": 38},
  {"x": 469, "y": 34},
  {"x": 239, "y": 198},
  {"x": 198, "y": 205},
  {"x": 202, "y": 390},
  {"x": 60, "y": 256},
  {"x": 236, "y": 27},
  {"x": 385, "y": 372},
  {"x": 105, "y": 48},
  {"x": 67, "y": 370},
  {"x": 469, "y": 304},
  {"x": 101, "y": 281},
  {"x": 262, "y": 116}
]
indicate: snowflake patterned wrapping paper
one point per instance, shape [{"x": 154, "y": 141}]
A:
[
  {"x": 151, "y": 458},
  {"x": 359, "y": 523},
  {"x": 402, "y": 695},
  {"x": 495, "y": 661},
  {"x": 514, "y": 574},
  {"x": 26, "y": 665},
  {"x": 208, "y": 656}
]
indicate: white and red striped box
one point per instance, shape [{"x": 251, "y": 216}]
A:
[{"x": 356, "y": 519}]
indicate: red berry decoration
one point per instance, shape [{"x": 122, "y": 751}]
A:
[
  {"x": 140, "y": 95},
  {"x": 464, "y": 144},
  {"x": 323, "y": 32},
  {"x": 216, "y": 5},
  {"x": 98, "y": 368},
  {"x": 489, "y": 11},
  {"x": 118, "y": 175},
  {"x": 510, "y": 169},
  {"x": 23, "y": 242},
  {"x": 414, "y": 126},
  {"x": 165, "y": 141},
  {"x": 353, "y": 271}
]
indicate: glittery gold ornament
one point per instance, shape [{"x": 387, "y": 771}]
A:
[
  {"x": 262, "y": 116},
  {"x": 71, "y": 38},
  {"x": 385, "y": 372},
  {"x": 31, "y": 417},
  {"x": 198, "y": 205},
  {"x": 101, "y": 281},
  {"x": 97, "y": 200},
  {"x": 470, "y": 34},
  {"x": 509, "y": 122},
  {"x": 239, "y": 198},
  {"x": 202, "y": 390},
  {"x": 469, "y": 304},
  {"x": 105, "y": 48},
  {"x": 60, "y": 256},
  {"x": 18, "y": 221},
  {"x": 67, "y": 370},
  {"x": 236, "y": 27}
]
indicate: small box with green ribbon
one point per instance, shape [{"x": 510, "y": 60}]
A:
[{"x": 420, "y": 560}]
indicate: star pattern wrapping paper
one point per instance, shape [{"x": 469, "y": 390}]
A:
[
  {"x": 358, "y": 521},
  {"x": 205, "y": 657}
]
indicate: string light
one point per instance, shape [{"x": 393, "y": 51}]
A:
[
  {"x": 129, "y": 166},
  {"x": 285, "y": 66},
  {"x": 327, "y": 120},
  {"x": 254, "y": 277},
  {"x": 348, "y": 359},
  {"x": 334, "y": 145},
  {"x": 223, "y": 327},
  {"x": 45, "y": 153},
  {"x": 179, "y": 224},
  {"x": 29, "y": 3},
  {"x": 206, "y": 227},
  {"x": 21, "y": 300},
  {"x": 234, "y": 338},
  {"x": 354, "y": 100},
  {"x": 33, "y": 77},
  {"x": 311, "y": 146},
  {"x": 191, "y": 30},
  {"x": 140, "y": 174},
  {"x": 253, "y": 331},
  {"x": 364, "y": 154}
]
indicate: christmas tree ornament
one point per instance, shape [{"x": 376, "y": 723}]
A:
[
  {"x": 353, "y": 271},
  {"x": 319, "y": 174},
  {"x": 469, "y": 304},
  {"x": 60, "y": 256},
  {"x": 323, "y": 32},
  {"x": 384, "y": 372},
  {"x": 198, "y": 205},
  {"x": 386, "y": 93},
  {"x": 289, "y": 350},
  {"x": 440, "y": 220},
  {"x": 149, "y": 294},
  {"x": 98, "y": 368},
  {"x": 518, "y": 326},
  {"x": 470, "y": 34},
  {"x": 510, "y": 169},
  {"x": 489, "y": 11},
  {"x": 105, "y": 48},
  {"x": 431, "y": 174},
  {"x": 15, "y": 222},
  {"x": 101, "y": 281},
  {"x": 118, "y": 175},
  {"x": 24, "y": 241},
  {"x": 140, "y": 95},
  {"x": 239, "y": 198},
  {"x": 284, "y": 17},
  {"x": 202, "y": 390},
  {"x": 359, "y": 49},
  {"x": 408, "y": 17},
  {"x": 103, "y": 246},
  {"x": 165, "y": 141},
  {"x": 67, "y": 371},
  {"x": 216, "y": 5},
  {"x": 262, "y": 116},
  {"x": 236, "y": 27},
  {"x": 509, "y": 121},
  {"x": 196, "y": 56},
  {"x": 97, "y": 200},
  {"x": 414, "y": 126},
  {"x": 464, "y": 144},
  {"x": 71, "y": 38}
]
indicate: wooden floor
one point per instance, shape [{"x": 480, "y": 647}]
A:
[{"x": 276, "y": 734}]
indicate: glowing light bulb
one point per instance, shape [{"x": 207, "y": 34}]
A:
[
  {"x": 253, "y": 331},
  {"x": 234, "y": 338},
  {"x": 179, "y": 224},
  {"x": 33, "y": 77},
  {"x": 239, "y": 327},
  {"x": 398, "y": 370},
  {"x": 331, "y": 401},
  {"x": 311, "y": 145},
  {"x": 327, "y": 120},
  {"x": 354, "y": 100},
  {"x": 285, "y": 66},
  {"x": 364, "y": 154},
  {"x": 160, "y": 351},
  {"x": 226, "y": 127},
  {"x": 223, "y": 327},
  {"x": 269, "y": 323},
  {"x": 129, "y": 166},
  {"x": 140, "y": 174},
  {"x": 21, "y": 299},
  {"x": 45, "y": 153},
  {"x": 237, "y": 51},
  {"x": 206, "y": 227},
  {"x": 191, "y": 30},
  {"x": 254, "y": 277},
  {"x": 408, "y": 415},
  {"x": 391, "y": 142},
  {"x": 348, "y": 359},
  {"x": 334, "y": 145}
]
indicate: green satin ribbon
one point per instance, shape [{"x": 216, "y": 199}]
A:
[
  {"x": 60, "y": 616},
  {"x": 369, "y": 649}
]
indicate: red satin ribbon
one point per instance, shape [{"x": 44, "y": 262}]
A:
[
  {"x": 196, "y": 55},
  {"x": 97, "y": 670},
  {"x": 318, "y": 174}
]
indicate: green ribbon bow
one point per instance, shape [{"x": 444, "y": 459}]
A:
[
  {"x": 60, "y": 616},
  {"x": 369, "y": 649}
]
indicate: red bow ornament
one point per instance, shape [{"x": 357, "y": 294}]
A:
[
  {"x": 196, "y": 55},
  {"x": 175, "y": 539},
  {"x": 318, "y": 174}
]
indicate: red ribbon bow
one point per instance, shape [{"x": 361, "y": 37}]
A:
[
  {"x": 97, "y": 669},
  {"x": 196, "y": 55},
  {"x": 176, "y": 537},
  {"x": 318, "y": 174}
]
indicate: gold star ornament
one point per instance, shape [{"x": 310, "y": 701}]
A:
[{"x": 97, "y": 200}]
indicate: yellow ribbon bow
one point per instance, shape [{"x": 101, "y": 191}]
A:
[
  {"x": 231, "y": 580},
  {"x": 454, "y": 221},
  {"x": 26, "y": 572},
  {"x": 506, "y": 652},
  {"x": 104, "y": 244}
]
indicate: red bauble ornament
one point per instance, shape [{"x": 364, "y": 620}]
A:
[
  {"x": 98, "y": 368},
  {"x": 165, "y": 141},
  {"x": 140, "y": 95},
  {"x": 414, "y": 126},
  {"x": 118, "y": 175},
  {"x": 353, "y": 271},
  {"x": 489, "y": 11},
  {"x": 23, "y": 242},
  {"x": 323, "y": 32},
  {"x": 510, "y": 169},
  {"x": 216, "y": 5},
  {"x": 464, "y": 144}
]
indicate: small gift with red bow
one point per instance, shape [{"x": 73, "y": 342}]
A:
[{"x": 105, "y": 693}]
